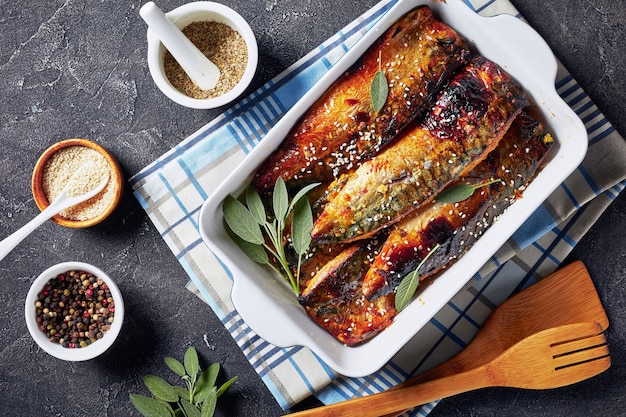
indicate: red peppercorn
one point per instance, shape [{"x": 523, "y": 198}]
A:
[{"x": 63, "y": 309}]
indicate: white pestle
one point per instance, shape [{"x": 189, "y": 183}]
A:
[{"x": 198, "y": 67}]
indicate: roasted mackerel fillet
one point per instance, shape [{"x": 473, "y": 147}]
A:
[
  {"x": 468, "y": 120},
  {"x": 514, "y": 162},
  {"x": 353, "y": 296},
  {"x": 418, "y": 55}
]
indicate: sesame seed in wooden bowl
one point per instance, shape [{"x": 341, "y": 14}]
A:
[{"x": 57, "y": 165}]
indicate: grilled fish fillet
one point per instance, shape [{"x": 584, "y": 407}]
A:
[
  {"x": 335, "y": 301},
  {"x": 353, "y": 296},
  {"x": 411, "y": 240},
  {"x": 470, "y": 117},
  {"x": 456, "y": 226},
  {"x": 418, "y": 54}
]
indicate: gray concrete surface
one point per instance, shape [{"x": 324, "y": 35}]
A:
[{"x": 77, "y": 68}]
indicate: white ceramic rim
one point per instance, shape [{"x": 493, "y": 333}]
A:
[
  {"x": 183, "y": 16},
  {"x": 54, "y": 349},
  {"x": 267, "y": 304}
]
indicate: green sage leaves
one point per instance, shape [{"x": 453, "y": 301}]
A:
[
  {"x": 301, "y": 226},
  {"x": 379, "y": 89},
  {"x": 241, "y": 221},
  {"x": 160, "y": 388},
  {"x": 460, "y": 192},
  {"x": 197, "y": 399},
  {"x": 408, "y": 285},
  {"x": 260, "y": 233}
]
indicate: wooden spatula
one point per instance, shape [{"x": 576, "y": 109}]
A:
[
  {"x": 548, "y": 359},
  {"x": 564, "y": 298}
]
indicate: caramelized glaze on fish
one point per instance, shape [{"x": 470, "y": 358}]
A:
[
  {"x": 418, "y": 54},
  {"x": 470, "y": 117},
  {"x": 353, "y": 296},
  {"x": 456, "y": 226},
  {"x": 335, "y": 301}
]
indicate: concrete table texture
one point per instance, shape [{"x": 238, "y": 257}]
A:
[{"x": 77, "y": 68}]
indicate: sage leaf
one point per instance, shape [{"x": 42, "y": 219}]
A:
[
  {"x": 379, "y": 90},
  {"x": 189, "y": 409},
  {"x": 225, "y": 386},
  {"x": 212, "y": 371},
  {"x": 241, "y": 221},
  {"x": 280, "y": 200},
  {"x": 408, "y": 285},
  {"x": 175, "y": 365},
  {"x": 300, "y": 194},
  {"x": 455, "y": 193},
  {"x": 182, "y": 392},
  {"x": 160, "y": 388},
  {"x": 460, "y": 192},
  {"x": 192, "y": 365},
  {"x": 255, "y": 205},
  {"x": 206, "y": 381},
  {"x": 208, "y": 405},
  {"x": 149, "y": 407},
  {"x": 407, "y": 289},
  {"x": 250, "y": 226},
  {"x": 198, "y": 399},
  {"x": 301, "y": 226},
  {"x": 255, "y": 252}
]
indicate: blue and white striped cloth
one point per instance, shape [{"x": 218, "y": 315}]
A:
[{"x": 173, "y": 188}]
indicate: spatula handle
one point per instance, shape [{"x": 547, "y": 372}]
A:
[{"x": 406, "y": 397}]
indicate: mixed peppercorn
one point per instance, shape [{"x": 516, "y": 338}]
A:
[{"x": 75, "y": 309}]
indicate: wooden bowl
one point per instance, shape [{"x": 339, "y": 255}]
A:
[{"x": 115, "y": 187}]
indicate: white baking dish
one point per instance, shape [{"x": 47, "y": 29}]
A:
[{"x": 268, "y": 305}]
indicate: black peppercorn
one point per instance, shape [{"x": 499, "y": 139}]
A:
[{"x": 67, "y": 308}]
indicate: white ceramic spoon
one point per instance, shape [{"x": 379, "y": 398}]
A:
[
  {"x": 198, "y": 67},
  {"x": 62, "y": 202}
]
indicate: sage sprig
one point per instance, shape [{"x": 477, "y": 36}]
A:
[
  {"x": 379, "y": 89},
  {"x": 259, "y": 235},
  {"x": 460, "y": 192},
  {"x": 197, "y": 399},
  {"x": 408, "y": 285}
]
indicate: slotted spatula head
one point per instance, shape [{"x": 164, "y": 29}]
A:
[
  {"x": 552, "y": 358},
  {"x": 567, "y": 296}
]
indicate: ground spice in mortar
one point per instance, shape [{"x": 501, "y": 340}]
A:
[
  {"x": 75, "y": 309},
  {"x": 224, "y": 46},
  {"x": 61, "y": 167}
]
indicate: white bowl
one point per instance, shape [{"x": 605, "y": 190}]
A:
[
  {"x": 80, "y": 353},
  {"x": 268, "y": 305},
  {"x": 195, "y": 12}
]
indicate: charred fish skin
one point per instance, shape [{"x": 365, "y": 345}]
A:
[
  {"x": 457, "y": 226},
  {"x": 334, "y": 299},
  {"x": 522, "y": 154},
  {"x": 354, "y": 300},
  {"x": 338, "y": 298},
  {"x": 468, "y": 120},
  {"x": 418, "y": 54},
  {"x": 453, "y": 226}
]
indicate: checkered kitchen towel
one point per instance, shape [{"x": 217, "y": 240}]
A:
[{"x": 174, "y": 187}]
